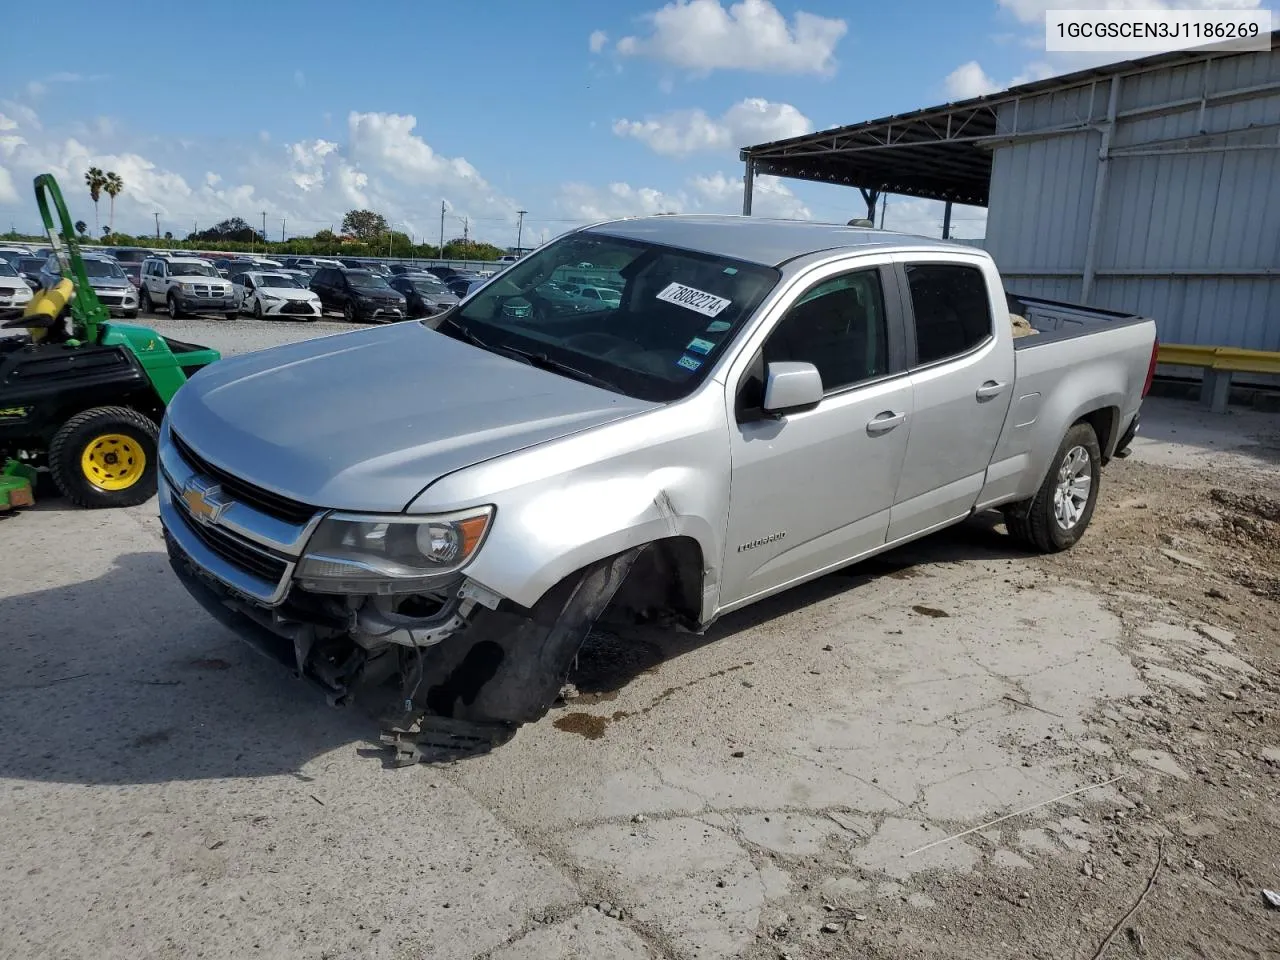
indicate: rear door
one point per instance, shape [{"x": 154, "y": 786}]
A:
[{"x": 962, "y": 382}]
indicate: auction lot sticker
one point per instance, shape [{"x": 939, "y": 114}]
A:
[{"x": 707, "y": 304}]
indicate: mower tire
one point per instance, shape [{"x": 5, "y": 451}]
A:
[{"x": 105, "y": 457}]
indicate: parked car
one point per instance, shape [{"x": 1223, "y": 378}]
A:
[
  {"x": 29, "y": 268},
  {"x": 134, "y": 272},
  {"x": 443, "y": 272},
  {"x": 275, "y": 295},
  {"x": 125, "y": 255},
  {"x": 15, "y": 292},
  {"x": 12, "y": 252},
  {"x": 601, "y": 295},
  {"x": 299, "y": 263},
  {"x": 358, "y": 294},
  {"x": 460, "y": 283},
  {"x": 108, "y": 280},
  {"x": 444, "y": 508},
  {"x": 424, "y": 294},
  {"x": 302, "y": 277},
  {"x": 186, "y": 285}
]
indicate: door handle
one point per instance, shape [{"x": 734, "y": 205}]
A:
[
  {"x": 992, "y": 388},
  {"x": 884, "y": 422}
]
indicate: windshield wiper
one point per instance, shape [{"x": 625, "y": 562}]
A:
[
  {"x": 539, "y": 360},
  {"x": 543, "y": 362}
]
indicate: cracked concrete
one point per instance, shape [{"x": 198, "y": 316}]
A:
[{"x": 156, "y": 804}]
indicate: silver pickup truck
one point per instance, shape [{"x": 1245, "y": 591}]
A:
[{"x": 430, "y": 516}]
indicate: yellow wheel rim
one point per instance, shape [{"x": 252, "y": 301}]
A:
[{"x": 113, "y": 461}]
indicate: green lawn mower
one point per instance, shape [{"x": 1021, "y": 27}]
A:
[{"x": 81, "y": 396}]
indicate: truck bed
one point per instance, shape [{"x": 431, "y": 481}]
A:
[{"x": 1055, "y": 321}]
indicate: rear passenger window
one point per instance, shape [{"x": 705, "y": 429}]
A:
[
  {"x": 839, "y": 327},
  {"x": 952, "y": 309}
]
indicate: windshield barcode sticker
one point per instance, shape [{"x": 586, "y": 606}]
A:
[{"x": 707, "y": 304}]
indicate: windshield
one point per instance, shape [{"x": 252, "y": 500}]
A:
[
  {"x": 677, "y": 312},
  {"x": 191, "y": 270},
  {"x": 6, "y": 269},
  {"x": 31, "y": 265},
  {"x": 277, "y": 280},
  {"x": 132, "y": 269},
  {"x": 103, "y": 268},
  {"x": 432, "y": 285},
  {"x": 363, "y": 278}
]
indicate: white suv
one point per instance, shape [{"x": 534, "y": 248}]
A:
[{"x": 186, "y": 285}]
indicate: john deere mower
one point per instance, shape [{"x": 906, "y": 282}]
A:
[{"x": 80, "y": 396}]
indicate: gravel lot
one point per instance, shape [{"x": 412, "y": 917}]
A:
[{"x": 790, "y": 785}]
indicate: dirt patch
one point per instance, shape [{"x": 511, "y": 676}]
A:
[{"x": 583, "y": 724}]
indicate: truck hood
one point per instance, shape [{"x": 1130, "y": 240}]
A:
[{"x": 365, "y": 421}]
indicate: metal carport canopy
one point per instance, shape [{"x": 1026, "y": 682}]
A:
[{"x": 938, "y": 153}]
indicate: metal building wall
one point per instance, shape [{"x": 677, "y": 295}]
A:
[{"x": 1183, "y": 225}]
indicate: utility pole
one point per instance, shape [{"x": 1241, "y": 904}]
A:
[
  {"x": 157, "y": 227},
  {"x": 283, "y": 221},
  {"x": 466, "y": 231},
  {"x": 264, "y": 231},
  {"x": 441, "y": 229},
  {"x": 519, "y": 229}
]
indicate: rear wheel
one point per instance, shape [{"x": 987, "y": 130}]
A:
[
  {"x": 174, "y": 310},
  {"x": 257, "y": 309},
  {"x": 232, "y": 315},
  {"x": 105, "y": 457},
  {"x": 1057, "y": 516}
]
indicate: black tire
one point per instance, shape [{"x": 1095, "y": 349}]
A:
[
  {"x": 144, "y": 301},
  {"x": 232, "y": 315},
  {"x": 175, "y": 311},
  {"x": 131, "y": 315},
  {"x": 74, "y": 439},
  {"x": 1038, "y": 522},
  {"x": 257, "y": 309},
  {"x": 349, "y": 312}
]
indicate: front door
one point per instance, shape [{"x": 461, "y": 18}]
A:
[
  {"x": 963, "y": 381},
  {"x": 813, "y": 489}
]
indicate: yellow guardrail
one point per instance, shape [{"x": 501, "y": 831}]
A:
[
  {"x": 1219, "y": 363},
  {"x": 1220, "y": 358}
]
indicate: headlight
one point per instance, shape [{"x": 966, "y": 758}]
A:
[
  {"x": 187, "y": 287},
  {"x": 376, "y": 554},
  {"x": 268, "y": 296}
]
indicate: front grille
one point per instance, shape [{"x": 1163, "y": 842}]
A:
[
  {"x": 111, "y": 299},
  {"x": 273, "y": 504},
  {"x": 233, "y": 550},
  {"x": 206, "y": 291},
  {"x": 298, "y": 306}
]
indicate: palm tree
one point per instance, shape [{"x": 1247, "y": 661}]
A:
[
  {"x": 95, "y": 179},
  {"x": 82, "y": 228},
  {"x": 113, "y": 183}
]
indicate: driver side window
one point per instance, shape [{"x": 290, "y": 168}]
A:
[{"x": 837, "y": 325}]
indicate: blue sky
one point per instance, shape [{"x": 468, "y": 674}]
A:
[{"x": 570, "y": 110}]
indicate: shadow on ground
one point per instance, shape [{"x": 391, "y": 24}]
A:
[{"x": 123, "y": 679}]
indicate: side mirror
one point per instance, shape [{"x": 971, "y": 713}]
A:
[{"x": 790, "y": 386}]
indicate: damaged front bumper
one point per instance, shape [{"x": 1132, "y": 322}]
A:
[{"x": 455, "y": 665}]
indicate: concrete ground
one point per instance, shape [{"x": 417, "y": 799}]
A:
[{"x": 784, "y": 787}]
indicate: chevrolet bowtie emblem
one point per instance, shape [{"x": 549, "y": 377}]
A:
[{"x": 204, "y": 500}]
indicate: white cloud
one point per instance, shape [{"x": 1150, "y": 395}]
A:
[
  {"x": 7, "y": 124},
  {"x": 384, "y": 165},
  {"x": 587, "y": 203},
  {"x": 7, "y": 192},
  {"x": 701, "y": 35},
  {"x": 770, "y": 197},
  {"x": 299, "y": 79},
  {"x": 969, "y": 80},
  {"x": 747, "y": 122},
  {"x": 924, "y": 218},
  {"x": 597, "y": 40}
]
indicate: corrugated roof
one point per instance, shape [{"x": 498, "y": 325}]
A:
[{"x": 937, "y": 152}]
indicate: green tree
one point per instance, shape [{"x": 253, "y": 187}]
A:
[
  {"x": 364, "y": 225},
  {"x": 95, "y": 180},
  {"x": 168, "y": 235},
  {"x": 82, "y": 228},
  {"x": 113, "y": 183}
]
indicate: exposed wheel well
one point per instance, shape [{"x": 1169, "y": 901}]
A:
[
  {"x": 1105, "y": 423},
  {"x": 665, "y": 581}
]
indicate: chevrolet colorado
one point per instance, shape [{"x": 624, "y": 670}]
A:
[{"x": 429, "y": 517}]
